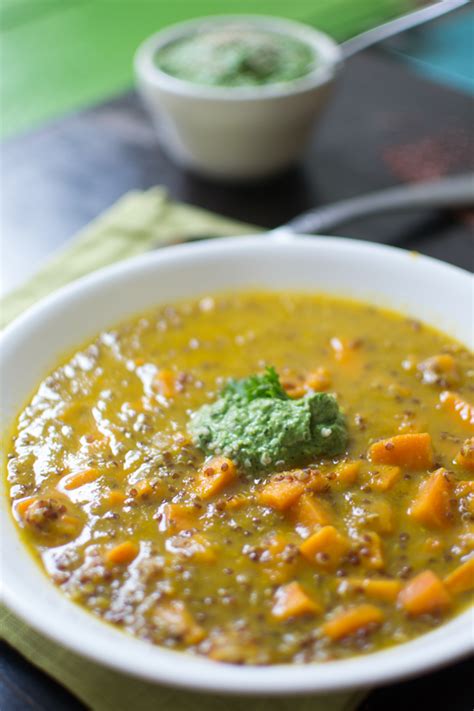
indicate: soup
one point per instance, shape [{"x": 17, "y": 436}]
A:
[{"x": 132, "y": 490}]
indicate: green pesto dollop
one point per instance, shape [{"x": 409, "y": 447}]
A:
[
  {"x": 258, "y": 426},
  {"x": 233, "y": 56}
]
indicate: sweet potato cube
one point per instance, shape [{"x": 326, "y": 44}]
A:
[
  {"x": 173, "y": 617},
  {"x": 385, "y": 590},
  {"x": 281, "y": 492},
  {"x": 293, "y": 383},
  {"x": 319, "y": 380},
  {"x": 464, "y": 491},
  {"x": 180, "y": 517},
  {"x": 465, "y": 487},
  {"x": 432, "y": 505},
  {"x": 465, "y": 456},
  {"x": 352, "y": 620},
  {"x": 370, "y": 551},
  {"x": 123, "y": 554},
  {"x": 309, "y": 512},
  {"x": 236, "y": 502},
  {"x": 146, "y": 490},
  {"x": 276, "y": 545},
  {"x": 292, "y": 601},
  {"x": 380, "y": 517},
  {"x": 197, "y": 547},
  {"x": 114, "y": 498},
  {"x": 215, "y": 476},
  {"x": 459, "y": 407},
  {"x": 165, "y": 383},
  {"x": 280, "y": 559},
  {"x": 21, "y": 506},
  {"x": 346, "y": 351},
  {"x": 317, "y": 481},
  {"x": 411, "y": 451},
  {"x": 461, "y": 579},
  {"x": 203, "y": 550},
  {"x": 347, "y": 472},
  {"x": 384, "y": 477},
  {"x": 325, "y": 548},
  {"x": 424, "y": 594},
  {"x": 74, "y": 481},
  {"x": 439, "y": 370}
]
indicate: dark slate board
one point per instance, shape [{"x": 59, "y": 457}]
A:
[{"x": 385, "y": 125}]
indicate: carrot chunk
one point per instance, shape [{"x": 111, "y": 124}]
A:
[
  {"x": 216, "y": 474},
  {"x": 385, "y": 590},
  {"x": 465, "y": 456},
  {"x": 281, "y": 492},
  {"x": 309, "y": 512},
  {"x": 384, "y": 477},
  {"x": 462, "y": 578},
  {"x": 74, "y": 481},
  {"x": 123, "y": 554},
  {"x": 352, "y": 620},
  {"x": 424, "y": 594},
  {"x": 292, "y": 601},
  {"x": 463, "y": 410},
  {"x": 325, "y": 548},
  {"x": 413, "y": 451},
  {"x": 432, "y": 505}
]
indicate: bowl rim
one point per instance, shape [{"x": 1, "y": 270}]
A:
[
  {"x": 322, "y": 44},
  {"x": 116, "y": 649}
]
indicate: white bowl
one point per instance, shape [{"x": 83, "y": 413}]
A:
[
  {"x": 423, "y": 288},
  {"x": 236, "y": 132}
]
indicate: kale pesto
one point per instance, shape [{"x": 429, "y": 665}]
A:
[
  {"x": 257, "y": 425},
  {"x": 235, "y": 56}
]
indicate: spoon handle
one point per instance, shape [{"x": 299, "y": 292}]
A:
[
  {"x": 456, "y": 191},
  {"x": 400, "y": 24}
]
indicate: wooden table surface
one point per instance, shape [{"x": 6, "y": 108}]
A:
[{"x": 385, "y": 125}]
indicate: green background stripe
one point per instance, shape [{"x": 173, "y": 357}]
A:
[{"x": 61, "y": 55}]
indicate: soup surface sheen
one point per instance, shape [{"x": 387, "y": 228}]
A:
[{"x": 341, "y": 556}]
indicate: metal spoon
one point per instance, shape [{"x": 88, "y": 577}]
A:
[
  {"x": 400, "y": 24},
  {"x": 453, "y": 192},
  {"x": 448, "y": 193}
]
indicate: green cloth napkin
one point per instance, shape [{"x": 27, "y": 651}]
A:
[{"x": 139, "y": 222}]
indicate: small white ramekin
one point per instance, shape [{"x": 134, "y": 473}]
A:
[{"x": 236, "y": 133}]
